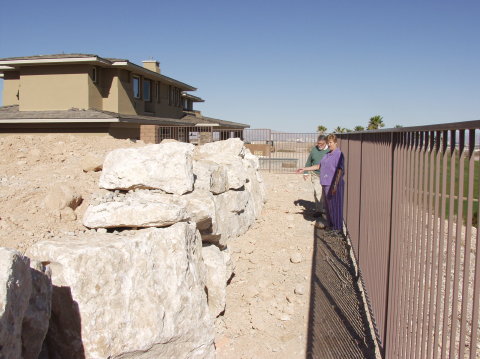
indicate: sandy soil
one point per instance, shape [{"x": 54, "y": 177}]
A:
[
  {"x": 30, "y": 168},
  {"x": 264, "y": 317}
]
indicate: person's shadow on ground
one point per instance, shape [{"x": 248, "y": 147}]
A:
[{"x": 307, "y": 209}]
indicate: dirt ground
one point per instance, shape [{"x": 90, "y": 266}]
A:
[
  {"x": 31, "y": 167},
  {"x": 268, "y": 299}
]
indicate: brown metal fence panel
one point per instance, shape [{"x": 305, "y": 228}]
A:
[
  {"x": 412, "y": 213},
  {"x": 353, "y": 151}
]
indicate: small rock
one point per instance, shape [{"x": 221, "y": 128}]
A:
[
  {"x": 91, "y": 163},
  {"x": 284, "y": 317},
  {"x": 61, "y": 196},
  {"x": 296, "y": 258},
  {"x": 101, "y": 230},
  {"x": 299, "y": 289},
  {"x": 319, "y": 224}
]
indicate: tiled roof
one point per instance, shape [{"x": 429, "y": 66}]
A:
[
  {"x": 193, "y": 98},
  {"x": 61, "y": 56},
  {"x": 12, "y": 113},
  {"x": 55, "y": 58},
  {"x": 209, "y": 120},
  {"x": 52, "y": 56}
]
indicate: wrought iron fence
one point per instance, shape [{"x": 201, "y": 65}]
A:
[
  {"x": 197, "y": 134},
  {"x": 412, "y": 213},
  {"x": 279, "y": 151}
]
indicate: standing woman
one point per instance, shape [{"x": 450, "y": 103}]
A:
[{"x": 331, "y": 178}]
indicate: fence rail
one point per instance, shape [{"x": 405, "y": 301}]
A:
[
  {"x": 279, "y": 151},
  {"x": 412, "y": 213}
]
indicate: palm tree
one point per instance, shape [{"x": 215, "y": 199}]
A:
[
  {"x": 375, "y": 123},
  {"x": 359, "y": 128},
  {"x": 398, "y": 126},
  {"x": 339, "y": 130},
  {"x": 321, "y": 129}
]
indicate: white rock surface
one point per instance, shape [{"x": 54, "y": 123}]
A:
[
  {"x": 25, "y": 297},
  {"x": 144, "y": 208},
  {"x": 229, "y": 154},
  {"x": 210, "y": 176},
  {"x": 165, "y": 166},
  {"x": 139, "y": 294},
  {"x": 15, "y": 290},
  {"x": 136, "y": 209},
  {"x": 234, "y": 214},
  {"x": 254, "y": 183},
  {"x": 37, "y": 317},
  {"x": 219, "y": 270},
  {"x": 231, "y": 147},
  {"x": 200, "y": 207}
]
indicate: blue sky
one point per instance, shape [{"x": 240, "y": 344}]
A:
[{"x": 285, "y": 65}]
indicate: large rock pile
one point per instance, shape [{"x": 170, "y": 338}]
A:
[
  {"x": 216, "y": 185},
  {"x": 130, "y": 288},
  {"x": 139, "y": 293}
]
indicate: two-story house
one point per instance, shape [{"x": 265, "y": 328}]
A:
[{"x": 91, "y": 94}]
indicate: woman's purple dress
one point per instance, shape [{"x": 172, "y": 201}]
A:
[{"x": 329, "y": 165}]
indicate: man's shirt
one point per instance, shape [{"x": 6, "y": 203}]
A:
[{"x": 316, "y": 156}]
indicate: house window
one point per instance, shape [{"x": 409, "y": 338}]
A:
[
  {"x": 157, "y": 91},
  {"x": 147, "y": 90},
  {"x": 136, "y": 86},
  {"x": 95, "y": 75},
  {"x": 170, "y": 95}
]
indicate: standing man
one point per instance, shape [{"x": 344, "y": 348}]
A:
[{"x": 316, "y": 155}]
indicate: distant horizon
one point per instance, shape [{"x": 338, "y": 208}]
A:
[{"x": 281, "y": 65}]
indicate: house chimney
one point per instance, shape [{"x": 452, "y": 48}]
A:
[{"x": 152, "y": 65}]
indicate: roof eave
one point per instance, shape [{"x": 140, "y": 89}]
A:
[
  {"x": 58, "y": 120},
  {"x": 27, "y": 62},
  {"x": 193, "y": 98},
  {"x": 139, "y": 69}
]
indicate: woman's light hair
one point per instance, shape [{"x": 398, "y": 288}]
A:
[{"x": 332, "y": 137}]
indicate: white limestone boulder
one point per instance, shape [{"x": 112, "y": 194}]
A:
[
  {"x": 145, "y": 208},
  {"x": 229, "y": 154},
  {"x": 231, "y": 147},
  {"x": 234, "y": 214},
  {"x": 236, "y": 175},
  {"x": 25, "y": 297},
  {"x": 136, "y": 209},
  {"x": 219, "y": 270},
  {"x": 210, "y": 176},
  {"x": 139, "y": 294},
  {"x": 200, "y": 207},
  {"x": 254, "y": 184},
  {"x": 15, "y": 290},
  {"x": 37, "y": 317},
  {"x": 165, "y": 166}
]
